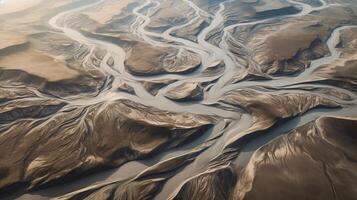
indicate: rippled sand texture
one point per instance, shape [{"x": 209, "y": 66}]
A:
[{"x": 168, "y": 99}]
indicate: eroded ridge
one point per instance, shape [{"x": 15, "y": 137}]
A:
[{"x": 166, "y": 99}]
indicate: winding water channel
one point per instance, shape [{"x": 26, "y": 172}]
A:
[{"x": 210, "y": 54}]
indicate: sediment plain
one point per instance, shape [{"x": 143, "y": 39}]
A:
[{"x": 168, "y": 99}]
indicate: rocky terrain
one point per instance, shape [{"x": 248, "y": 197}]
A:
[{"x": 167, "y": 99}]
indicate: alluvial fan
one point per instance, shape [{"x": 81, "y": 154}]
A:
[{"x": 184, "y": 100}]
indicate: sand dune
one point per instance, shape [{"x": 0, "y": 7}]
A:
[
  {"x": 38, "y": 64},
  {"x": 305, "y": 159},
  {"x": 11, "y": 6}
]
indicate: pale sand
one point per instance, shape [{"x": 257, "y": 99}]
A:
[
  {"x": 11, "y": 6},
  {"x": 32, "y": 16},
  {"x": 8, "y": 39},
  {"x": 106, "y": 11},
  {"x": 38, "y": 64}
]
